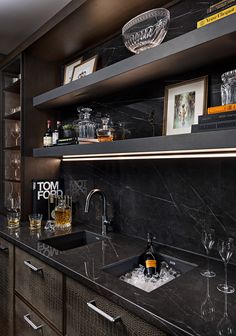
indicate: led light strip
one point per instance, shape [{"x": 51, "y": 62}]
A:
[{"x": 151, "y": 157}]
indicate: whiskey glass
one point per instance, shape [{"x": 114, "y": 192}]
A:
[
  {"x": 208, "y": 240},
  {"x": 225, "y": 248}
]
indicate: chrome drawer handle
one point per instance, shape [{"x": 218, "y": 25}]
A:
[
  {"x": 91, "y": 304},
  {"x": 3, "y": 248},
  {"x": 28, "y": 320},
  {"x": 32, "y": 267}
]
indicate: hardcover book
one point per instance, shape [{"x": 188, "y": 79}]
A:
[
  {"x": 220, "y": 5},
  {"x": 221, "y": 108},
  {"x": 41, "y": 189},
  {"x": 218, "y": 16},
  {"x": 213, "y": 126},
  {"x": 216, "y": 117}
]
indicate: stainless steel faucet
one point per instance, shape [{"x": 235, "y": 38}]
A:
[{"x": 105, "y": 220}]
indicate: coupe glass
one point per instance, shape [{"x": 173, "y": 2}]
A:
[
  {"x": 208, "y": 240},
  {"x": 225, "y": 248}
]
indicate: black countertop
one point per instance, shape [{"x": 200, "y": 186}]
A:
[{"x": 179, "y": 307}]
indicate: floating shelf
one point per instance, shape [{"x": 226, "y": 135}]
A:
[
  {"x": 15, "y": 87},
  {"x": 222, "y": 141},
  {"x": 193, "y": 50},
  {"x": 13, "y": 116}
]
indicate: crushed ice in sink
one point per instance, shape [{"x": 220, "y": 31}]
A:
[{"x": 137, "y": 278}]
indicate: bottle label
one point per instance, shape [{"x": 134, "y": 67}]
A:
[
  {"x": 151, "y": 263},
  {"x": 47, "y": 141},
  {"x": 55, "y": 137}
]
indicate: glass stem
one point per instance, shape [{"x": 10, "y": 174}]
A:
[
  {"x": 226, "y": 276},
  {"x": 208, "y": 264}
]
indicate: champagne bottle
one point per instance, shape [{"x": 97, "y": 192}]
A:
[
  {"x": 150, "y": 258},
  {"x": 47, "y": 137}
]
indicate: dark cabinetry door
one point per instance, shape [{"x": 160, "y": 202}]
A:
[
  {"x": 28, "y": 323},
  {"x": 6, "y": 288},
  {"x": 40, "y": 285},
  {"x": 91, "y": 314}
]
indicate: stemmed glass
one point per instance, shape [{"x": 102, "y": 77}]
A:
[
  {"x": 15, "y": 163},
  {"x": 16, "y": 132},
  {"x": 207, "y": 307},
  {"x": 208, "y": 240},
  {"x": 225, "y": 248},
  {"x": 225, "y": 326}
]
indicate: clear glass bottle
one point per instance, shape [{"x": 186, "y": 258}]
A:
[
  {"x": 62, "y": 215},
  {"x": 228, "y": 88},
  {"x": 105, "y": 134},
  {"x": 86, "y": 126}
]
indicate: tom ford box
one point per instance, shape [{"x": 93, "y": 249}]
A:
[{"x": 41, "y": 190}]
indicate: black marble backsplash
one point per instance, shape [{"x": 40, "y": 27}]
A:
[{"x": 172, "y": 198}]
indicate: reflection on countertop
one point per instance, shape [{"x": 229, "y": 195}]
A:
[{"x": 188, "y": 305}]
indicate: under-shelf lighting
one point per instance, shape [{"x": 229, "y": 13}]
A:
[{"x": 178, "y": 154}]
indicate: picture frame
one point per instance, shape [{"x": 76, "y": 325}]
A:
[
  {"x": 68, "y": 70},
  {"x": 84, "y": 69},
  {"x": 183, "y": 103}
]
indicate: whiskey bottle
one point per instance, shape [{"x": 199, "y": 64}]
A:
[
  {"x": 47, "y": 137},
  {"x": 57, "y": 133},
  {"x": 105, "y": 134},
  {"x": 150, "y": 258}
]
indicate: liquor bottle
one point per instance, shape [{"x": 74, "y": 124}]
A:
[
  {"x": 63, "y": 214},
  {"x": 57, "y": 133},
  {"x": 86, "y": 125},
  {"x": 105, "y": 134},
  {"x": 47, "y": 137},
  {"x": 150, "y": 258}
]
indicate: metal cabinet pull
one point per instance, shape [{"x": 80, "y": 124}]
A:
[
  {"x": 32, "y": 267},
  {"x": 28, "y": 320},
  {"x": 3, "y": 248},
  {"x": 91, "y": 304}
]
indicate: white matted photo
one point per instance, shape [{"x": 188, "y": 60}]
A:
[
  {"x": 85, "y": 68},
  {"x": 68, "y": 70},
  {"x": 184, "y": 102}
]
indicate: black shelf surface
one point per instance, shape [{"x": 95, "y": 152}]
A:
[
  {"x": 12, "y": 180},
  {"x": 183, "y": 142},
  {"x": 15, "y": 87},
  {"x": 13, "y": 116},
  {"x": 193, "y": 50}
]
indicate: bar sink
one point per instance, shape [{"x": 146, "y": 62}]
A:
[
  {"x": 128, "y": 267},
  {"x": 73, "y": 240}
]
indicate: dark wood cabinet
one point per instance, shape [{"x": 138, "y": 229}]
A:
[
  {"x": 6, "y": 288},
  {"x": 91, "y": 314},
  {"x": 28, "y": 323},
  {"x": 41, "y": 286}
]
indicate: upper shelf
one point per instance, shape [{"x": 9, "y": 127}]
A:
[
  {"x": 185, "y": 143},
  {"x": 187, "y": 52}
]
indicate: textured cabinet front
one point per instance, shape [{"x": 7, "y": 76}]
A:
[
  {"x": 6, "y": 288},
  {"x": 82, "y": 320},
  {"x": 27, "y": 323},
  {"x": 40, "y": 285}
]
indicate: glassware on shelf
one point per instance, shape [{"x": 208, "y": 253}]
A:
[
  {"x": 16, "y": 132},
  {"x": 225, "y": 248},
  {"x": 208, "y": 240},
  {"x": 228, "y": 88},
  {"x": 86, "y": 127},
  {"x": 147, "y": 30},
  {"x": 225, "y": 326},
  {"x": 15, "y": 164},
  {"x": 105, "y": 133},
  {"x": 63, "y": 213}
]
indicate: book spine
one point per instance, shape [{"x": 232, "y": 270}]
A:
[
  {"x": 221, "y": 109},
  {"x": 216, "y": 117},
  {"x": 220, "y": 5},
  {"x": 220, "y": 15},
  {"x": 213, "y": 126}
]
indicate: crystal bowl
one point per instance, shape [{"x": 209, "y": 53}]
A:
[{"x": 147, "y": 30}]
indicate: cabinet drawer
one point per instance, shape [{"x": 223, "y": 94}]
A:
[
  {"x": 28, "y": 323},
  {"x": 40, "y": 285},
  {"x": 83, "y": 320},
  {"x": 6, "y": 288}
]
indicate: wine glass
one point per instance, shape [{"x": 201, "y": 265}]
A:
[
  {"x": 208, "y": 240},
  {"x": 207, "y": 307},
  {"x": 15, "y": 163},
  {"x": 225, "y": 326},
  {"x": 15, "y": 132},
  {"x": 225, "y": 248}
]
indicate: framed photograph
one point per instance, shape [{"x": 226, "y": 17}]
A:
[
  {"x": 85, "y": 68},
  {"x": 184, "y": 102},
  {"x": 68, "y": 71}
]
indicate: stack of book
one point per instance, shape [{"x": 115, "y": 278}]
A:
[
  {"x": 218, "y": 118},
  {"x": 218, "y": 11}
]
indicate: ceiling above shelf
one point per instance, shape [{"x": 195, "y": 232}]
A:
[
  {"x": 190, "y": 51},
  {"x": 217, "y": 143}
]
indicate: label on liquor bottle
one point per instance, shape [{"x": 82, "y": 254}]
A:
[
  {"x": 47, "y": 141},
  {"x": 151, "y": 263},
  {"x": 55, "y": 136}
]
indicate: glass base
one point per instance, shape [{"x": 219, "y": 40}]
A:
[
  {"x": 208, "y": 274},
  {"x": 225, "y": 289}
]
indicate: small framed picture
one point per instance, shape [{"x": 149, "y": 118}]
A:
[
  {"x": 68, "y": 71},
  {"x": 84, "y": 69},
  {"x": 184, "y": 102}
]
